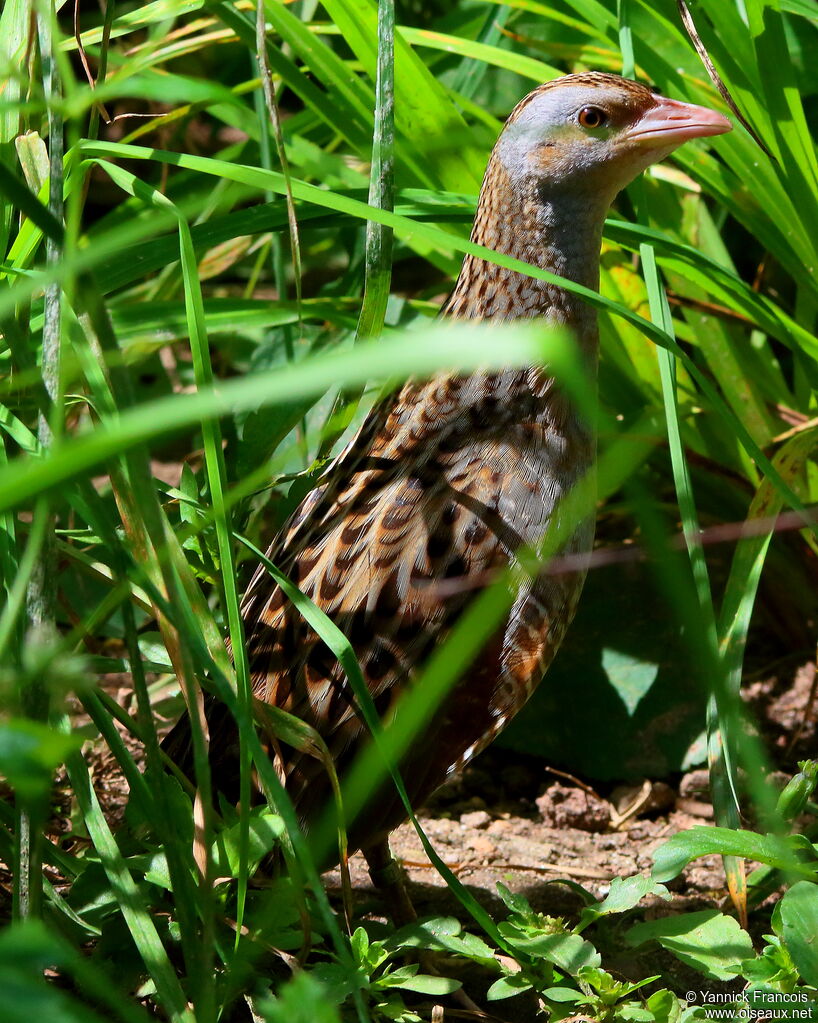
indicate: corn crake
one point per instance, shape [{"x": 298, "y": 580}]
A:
[{"x": 449, "y": 477}]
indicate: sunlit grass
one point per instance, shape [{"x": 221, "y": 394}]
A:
[{"x": 188, "y": 335}]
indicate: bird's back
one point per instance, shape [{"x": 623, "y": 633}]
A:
[
  {"x": 441, "y": 487},
  {"x": 449, "y": 479}
]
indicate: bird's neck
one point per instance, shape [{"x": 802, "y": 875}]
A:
[{"x": 557, "y": 230}]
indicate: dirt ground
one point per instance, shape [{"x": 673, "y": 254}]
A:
[
  {"x": 531, "y": 845},
  {"x": 512, "y": 833},
  {"x": 511, "y": 819}
]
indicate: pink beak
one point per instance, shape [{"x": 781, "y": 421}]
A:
[{"x": 669, "y": 123}]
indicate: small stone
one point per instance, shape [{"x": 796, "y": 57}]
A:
[
  {"x": 443, "y": 829},
  {"x": 695, "y": 784},
  {"x": 643, "y": 799},
  {"x": 484, "y": 849},
  {"x": 563, "y": 806},
  {"x": 475, "y": 819}
]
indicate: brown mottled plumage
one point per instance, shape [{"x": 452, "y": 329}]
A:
[{"x": 446, "y": 479}]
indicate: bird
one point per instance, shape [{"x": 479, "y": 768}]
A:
[{"x": 447, "y": 478}]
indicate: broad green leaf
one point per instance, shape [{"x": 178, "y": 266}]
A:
[
  {"x": 508, "y": 987},
  {"x": 29, "y": 754},
  {"x": 630, "y": 677},
  {"x": 709, "y": 941},
  {"x": 442, "y": 933},
  {"x": 625, "y": 893},
  {"x": 799, "y": 918},
  {"x": 425, "y": 985},
  {"x": 778, "y": 851},
  {"x": 265, "y": 831},
  {"x": 569, "y": 952}
]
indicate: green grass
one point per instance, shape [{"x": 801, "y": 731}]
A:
[{"x": 226, "y": 280}]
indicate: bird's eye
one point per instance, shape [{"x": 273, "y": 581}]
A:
[{"x": 592, "y": 117}]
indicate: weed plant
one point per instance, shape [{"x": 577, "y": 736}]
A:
[{"x": 224, "y": 229}]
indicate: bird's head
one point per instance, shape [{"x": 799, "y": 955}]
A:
[{"x": 594, "y": 133}]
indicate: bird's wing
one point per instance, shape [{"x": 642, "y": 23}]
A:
[{"x": 391, "y": 556}]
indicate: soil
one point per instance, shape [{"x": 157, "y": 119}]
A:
[
  {"x": 530, "y": 841},
  {"x": 508, "y": 818}
]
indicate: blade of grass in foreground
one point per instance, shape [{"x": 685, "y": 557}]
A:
[
  {"x": 149, "y": 543},
  {"x": 438, "y": 347},
  {"x": 299, "y": 860},
  {"x": 139, "y": 921},
  {"x": 41, "y": 593},
  {"x": 265, "y": 179},
  {"x": 741, "y": 591},
  {"x": 378, "y": 265},
  {"x": 217, "y": 481},
  {"x": 721, "y": 714},
  {"x": 379, "y": 236}
]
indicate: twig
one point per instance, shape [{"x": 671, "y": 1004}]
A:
[
  {"x": 715, "y": 77},
  {"x": 725, "y": 532},
  {"x": 722, "y": 311},
  {"x": 576, "y": 781},
  {"x": 594, "y": 873}
]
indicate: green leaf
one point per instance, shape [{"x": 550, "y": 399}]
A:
[
  {"x": 630, "y": 677},
  {"x": 624, "y": 894},
  {"x": 635, "y": 1013},
  {"x": 514, "y": 901},
  {"x": 266, "y": 829},
  {"x": 445, "y": 934},
  {"x": 360, "y": 944},
  {"x": 507, "y": 987},
  {"x": 569, "y": 952},
  {"x": 30, "y": 753},
  {"x": 664, "y": 1005},
  {"x": 799, "y": 918},
  {"x": 564, "y": 994},
  {"x": 777, "y": 851},
  {"x": 303, "y": 1000},
  {"x": 709, "y": 941},
  {"x": 424, "y": 984}
]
